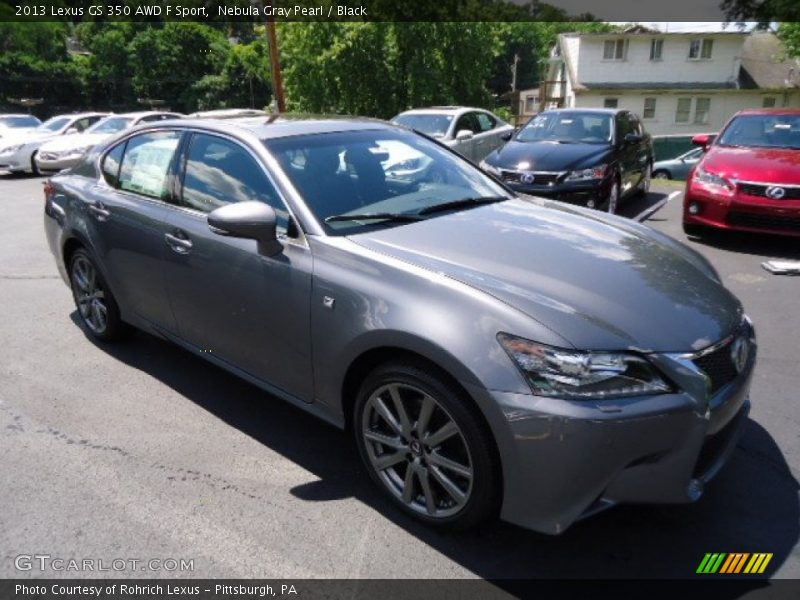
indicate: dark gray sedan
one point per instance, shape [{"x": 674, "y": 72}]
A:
[{"x": 492, "y": 353}]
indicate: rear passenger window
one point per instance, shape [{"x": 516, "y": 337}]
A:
[
  {"x": 485, "y": 121},
  {"x": 219, "y": 172},
  {"x": 111, "y": 165},
  {"x": 146, "y": 163}
]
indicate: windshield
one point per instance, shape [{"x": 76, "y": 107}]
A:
[
  {"x": 17, "y": 122},
  {"x": 568, "y": 128},
  {"x": 110, "y": 125},
  {"x": 54, "y": 124},
  {"x": 430, "y": 124},
  {"x": 763, "y": 131},
  {"x": 377, "y": 172}
]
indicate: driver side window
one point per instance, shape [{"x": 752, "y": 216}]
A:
[{"x": 220, "y": 172}]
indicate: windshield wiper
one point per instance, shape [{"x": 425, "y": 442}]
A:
[
  {"x": 401, "y": 217},
  {"x": 463, "y": 203}
]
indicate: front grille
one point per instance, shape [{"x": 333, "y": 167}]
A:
[
  {"x": 538, "y": 178},
  {"x": 718, "y": 365},
  {"x": 760, "y": 190},
  {"x": 763, "y": 221}
]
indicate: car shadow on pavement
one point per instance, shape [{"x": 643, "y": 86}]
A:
[
  {"x": 752, "y": 506},
  {"x": 758, "y": 244}
]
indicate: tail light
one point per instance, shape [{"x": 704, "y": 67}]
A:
[{"x": 49, "y": 190}]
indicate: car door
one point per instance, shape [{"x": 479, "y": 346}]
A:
[
  {"x": 627, "y": 153},
  {"x": 490, "y": 136},
  {"x": 466, "y": 147},
  {"x": 247, "y": 310},
  {"x": 124, "y": 210},
  {"x": 685, "y": 163}
]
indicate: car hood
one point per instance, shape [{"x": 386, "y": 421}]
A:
[
  {"x": 76, "y": 140},
  {"x": 598, "y": 281},
  {"x": 549, "y": 156},
  {"x": 770, "y": 165},
  {"x": 16, "y": 138}
]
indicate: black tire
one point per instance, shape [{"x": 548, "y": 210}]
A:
[
  {"x": 34, "y": 166},
  {"x": 85, "y": 293},
  {"x": 693, "y": 229},
  {"x": 661, "y": 174},
  {"x": 484, "y": 488},
  {"x": 611, "y": 204},
  {"x": 643, "y": 188}
]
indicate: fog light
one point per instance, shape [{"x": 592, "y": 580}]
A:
[
  {"x": 694, "y": 208},
  {"x": 590, "y": 204}
]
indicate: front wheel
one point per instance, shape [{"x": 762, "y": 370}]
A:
[
  {"x": 644, "y": 183},
  {"x": 34, "y": 166},
  {"x": 661, "y": 174},
  {"x": 612, "y": 200},
  {"x": 425, "y": 447}
]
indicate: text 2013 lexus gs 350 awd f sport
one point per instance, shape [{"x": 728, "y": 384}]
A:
[{"x": 492, "y": 353}]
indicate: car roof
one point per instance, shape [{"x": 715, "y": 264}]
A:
[
  {"x": 599, "y": 111},
  {"x": 439, "y": 110},
  {"x": 142, "y": 113},
  {"x": 279, "y": 126},
  {"x": 17, "y": 115},
  {"x": 769, "y": 111}
]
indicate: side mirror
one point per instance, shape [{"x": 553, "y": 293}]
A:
[
  {"x": 464, "y": 134},
  {"x": 71, "y": 130},
  {"x": 633, "y": 138},
  {"x": 507, "y": 136},
  {"x": 250, "y": 220},
  {"x": 703, "y": 140}
]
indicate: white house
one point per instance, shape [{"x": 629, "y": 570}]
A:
[{"x": 677, "y": 82}]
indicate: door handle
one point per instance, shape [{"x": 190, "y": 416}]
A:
[
  {"x": 99, "y": 211},
  {"x": 181, "y": 245}
]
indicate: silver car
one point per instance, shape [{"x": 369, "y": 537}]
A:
[
  {"x": 490, "y": 352},
  {"x": 18, "y": 152},
  {"x": 472, "y": 132}
]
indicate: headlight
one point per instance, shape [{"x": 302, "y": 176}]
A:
[
  {"x": 704, "y": 176},
  {"x": 483, "y": 165},
  {"x": 577, "y": 375},
  {"x": 597, "y": 172},
  {"x": 10, "y": 149}
]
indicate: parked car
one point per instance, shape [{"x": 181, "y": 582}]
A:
[
  {"x": 488, "y": 351},
  {"x": 593, "y": 156},
  {"x": 18, "y": 152},
  {"x": 472, "y": 132},
  {"x": 60, "y": 154},
  {"x": 229, "y": 113},
  {"x": 678, "y": 167},
  {"x": 17, "y": 123},
  {"x": 749, "y": 177}
]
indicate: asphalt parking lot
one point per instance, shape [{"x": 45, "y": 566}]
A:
[{"x": 141, "y": 450}]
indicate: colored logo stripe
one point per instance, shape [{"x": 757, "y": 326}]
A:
[{"x": 721, "y": 562}]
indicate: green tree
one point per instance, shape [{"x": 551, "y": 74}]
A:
[{"x": 790, "y": 35}]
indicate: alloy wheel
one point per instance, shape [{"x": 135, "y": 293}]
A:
[
  {"x": 89, "y": 295},
  {"x": 417, "y": 450}
]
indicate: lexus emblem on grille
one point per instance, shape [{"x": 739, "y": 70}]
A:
[
  {"x": 739, "y": 353},
  {"x": 526, "y": 178},
  {"x": 775, "y": 192}
]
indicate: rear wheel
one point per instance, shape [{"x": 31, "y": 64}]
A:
[
  {"x": 96, "y": 305},
  {"x": 425, "y": 447}
]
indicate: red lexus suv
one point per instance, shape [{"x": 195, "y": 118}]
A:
[{"x": 749, "y": 178}]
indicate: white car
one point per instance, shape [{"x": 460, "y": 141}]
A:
[
  {"x": 17, "y": 123},
  {"x": 472, "y": 132},
  {"x": 63, "y": 153},
  {"x": 228, "y": 113},
  {"x": 18, "y": 151}
]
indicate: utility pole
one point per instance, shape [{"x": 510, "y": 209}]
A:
[{"x": 275, "y": 64}]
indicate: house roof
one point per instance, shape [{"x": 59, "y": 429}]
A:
[
  {"x": 660, "y": 85},
  {"x": 766, "y": 63}
]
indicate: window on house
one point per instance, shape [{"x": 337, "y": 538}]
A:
[
  {"x": 649, "y": 111},
  {"x": 702, "y": 107},
  {"x": 768, "y": 102},
  {"x": 531, "y": 104},
  {"x": 614, "y": 49},
  {"x": 656, "y": 48},
  {"x": 700, "y": 48},
  {"x": 684, "y": 110},
  {"x": 610, "y": 102}
]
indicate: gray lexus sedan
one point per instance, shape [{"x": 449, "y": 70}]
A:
[{"x": 492, "y": 353}]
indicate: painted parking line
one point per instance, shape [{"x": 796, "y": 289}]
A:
[{"x": 650, "y": 211}]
